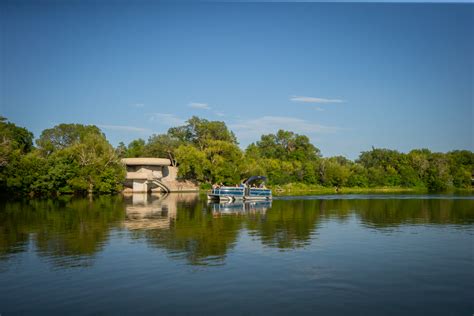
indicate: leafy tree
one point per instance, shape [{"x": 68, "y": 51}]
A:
[
  {"x": 121, "y": 150},
  {"x": 461, "y": 167},
  {"x": 193, "y": 163},
  {"x": 438, "y": 177},
  {"x": 99, "y": 166},
  {"x": 201, "y": 131},
  {"x": 72, "y": 158},
  {"x": 136, "y": 148},
  {"x": 286, "y": 145},
  {"x": 358, "y": 176},
  {"x": 13, "y": 138},
  {"x": 162, "y": 145},
  {"x": 225, "y": 160},
  {"x": 334, "y": 173},
  {"x": 65, "y": 135}
]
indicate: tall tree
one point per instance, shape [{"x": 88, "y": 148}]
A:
[
  {"x": 200, "y": 131},
  {"x": 288, "y": 146},
  {"x": 64, "y": 135}
]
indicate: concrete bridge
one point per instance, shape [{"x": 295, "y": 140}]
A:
[{"x": 154, "y": 175}]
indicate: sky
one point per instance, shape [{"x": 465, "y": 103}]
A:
[{"x": 348, "y": 75}]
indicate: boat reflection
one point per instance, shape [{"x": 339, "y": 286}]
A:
[{"x": 239, "y": 207}]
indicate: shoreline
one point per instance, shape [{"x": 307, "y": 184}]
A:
[{"x": 302, "y": 189}]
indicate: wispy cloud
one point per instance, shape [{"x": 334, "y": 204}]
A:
[
  {"x": 220, "y": 114},
  {"x": 167, "y": 119},
  {"x": 197, "y": 105},
  {"x": 314, "y": 100},
  {"x": 138, "y": 105},
  {"x": 319, "y": 109},
  {"x": 252, "y": 129},
  {"x": 125, "y": 128}
]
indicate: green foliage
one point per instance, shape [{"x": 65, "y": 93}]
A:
[
  {"x": 200, "y": 131},
  {"x": 65, "y": 135},
  {"x": 193, "y": 163},
  {"x": 14, "y": 136},
  {"x": 71, "y": 158},
  {"x": 333, "y": 173},
  {"x": 285, "y": 157},
  {"x": 205, "y": 150},
  {"x": 75, "y": 158},
  {"x": 287, "y": 146},
  {"x": 14, "y": 141},
  {"x": 136, "y": 148},
  {"x": 163, "y": 145},
  {"x": 225, "y": 159}
]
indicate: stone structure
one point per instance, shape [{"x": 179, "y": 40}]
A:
[{"x": 154, "y": 175}]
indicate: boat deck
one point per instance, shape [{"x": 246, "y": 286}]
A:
[{"x": 239, "y": 193}]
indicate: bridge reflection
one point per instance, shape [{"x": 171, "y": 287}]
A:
[
  {"x": 158, "y": 211},
  {"x": 153, "y": 211},
  {"x": 188, "y": 227}
]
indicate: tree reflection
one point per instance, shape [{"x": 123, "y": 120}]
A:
[
  {"x": 193, "y": 232},
  {"x": 288, "y": 224},
  {"x": 394, "y": 212},
  {"x": 68, "y": 231}
]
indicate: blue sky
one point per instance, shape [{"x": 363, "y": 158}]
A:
[{"x": 350, "y": 76}]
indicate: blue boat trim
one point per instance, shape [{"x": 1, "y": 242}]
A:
[{"x": 244, "y": 191}]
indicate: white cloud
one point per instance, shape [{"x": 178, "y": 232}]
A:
[
  {"x": 138, "y": 105},
  {"x": 251, "y": 130},
  {"x": 202, "y": 106},
  {"x": 314, "y": 100},
  {"x": 220, "y": 114},
  {"x": 167, "y": 119},
  {"x": 319, "y": 109},
  {"x": 124, "y": 128}
]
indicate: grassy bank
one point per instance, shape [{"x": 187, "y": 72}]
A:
[
  {"x": 308, "y": 189},
  {"x": 304, "y": 189}
]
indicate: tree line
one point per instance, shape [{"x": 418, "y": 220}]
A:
[
  {"x": 68, "y": 158},
  {"x": 75, "y": 158}
]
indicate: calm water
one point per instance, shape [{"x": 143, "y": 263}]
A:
[{"x": 345, "y": 255}]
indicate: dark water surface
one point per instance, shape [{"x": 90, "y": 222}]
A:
[{"x": 343, "y": 255}]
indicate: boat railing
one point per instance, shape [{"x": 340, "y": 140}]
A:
[
  {"x": 260, "y": 192},
  {"x": 232, "y": 191}
]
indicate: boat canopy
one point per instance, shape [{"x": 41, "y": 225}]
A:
[{"x": 254, "y": 179}]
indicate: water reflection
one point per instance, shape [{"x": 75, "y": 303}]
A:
[
  {"x": 70, "y": 232},
  {"x": 66, "y": 231},
  {"x": 153, "y": 211},
  {"x": 239, "y": 207},
  {"x": 183, "y": 226},
  {"x": 288, "y": 224}
]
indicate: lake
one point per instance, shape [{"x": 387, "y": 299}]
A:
[{"x": 177, "y": 254}]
